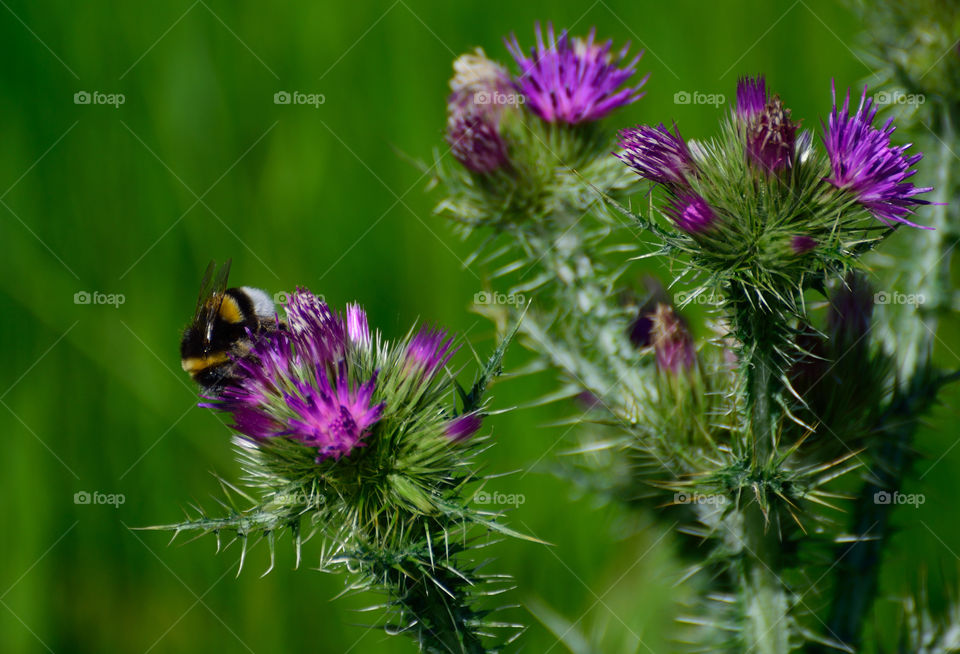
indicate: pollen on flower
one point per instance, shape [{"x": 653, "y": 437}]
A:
[
  {"x": 480, "y": 86},
  {"x": 771, "y": 136}
]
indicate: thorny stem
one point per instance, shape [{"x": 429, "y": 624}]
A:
[
  {"x": 766, "y": 600},
  {"x": 584, "y": 289},
  {"x": 440, "y": 616},
  {"x": 859, "y": 562}
]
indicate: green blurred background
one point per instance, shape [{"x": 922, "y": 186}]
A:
[{"x": 199, "y": 163}]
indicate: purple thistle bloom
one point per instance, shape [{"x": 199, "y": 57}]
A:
[
  {"x": 771, "y": 136},
  {"x": 751, "y": 96},
  {"x": 672, "y": 341},
  {"x": 326, "y": 334},
  {"x": 331, "y": 416},
  {"x": 463, "y": 427},
  {"x": 691, "y": 213},
  {"x": 801, "y": 244},
  {"x": 357, "y": 329},
  {"x": 867, "y": 166},
  {"x": 476, "y": 143},
  {"x": 428, "y": 351},
  {"x": 574, "y": 80},
  {"x": 296, "y": 383},
  {"x": 656, "y": 154}
]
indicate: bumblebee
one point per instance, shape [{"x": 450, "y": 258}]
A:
[{"x": 220, "y": 333}]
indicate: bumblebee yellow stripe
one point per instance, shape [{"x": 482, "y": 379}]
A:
[
  {"x": 230, "y": 311},
  {"x": 194, "y": 364}
]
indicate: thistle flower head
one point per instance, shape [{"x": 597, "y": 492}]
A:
[
  {"x": 478, "y": 86},
  {"x": 751, "y": 97},
  {"x": 574, "y": 80},
  {"x": 867, "y": 166},
  {"x": 463, "y": 427},
  {"x": 358, "y": 331},
  {"x": 640, "y": 330},
  {"x": 316, "y": 327},
  {"x": 428, "y": 351},
  {"x": 330, "y": 415},
  {"x": 801, "y": 244},
  {"x": 691, "y": 213},
  {"x": 656, "y": 154},
  {"x": 476, "y": 143},
  {"x": 771, "y": 136},
  {"x": 672, "y": 341},
  {"x": 298, "y": 383}
]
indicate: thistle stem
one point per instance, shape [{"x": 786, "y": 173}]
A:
[
  {"x": 434, "y": 604},
  {"x": 767, "y": 626},
  {"x": 766, "y": 629}
]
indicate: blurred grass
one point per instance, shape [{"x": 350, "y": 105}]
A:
[{"x": 103, "y": 199}]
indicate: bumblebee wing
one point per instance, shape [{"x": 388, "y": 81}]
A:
[
  {"x": 205, "y": 285},
  {"x": 211, "y": 296}
]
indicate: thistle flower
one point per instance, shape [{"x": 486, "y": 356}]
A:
[
  {"x": 771, "y": 136},
  {"x": 332, "y": 416},
  {"x": 476, "y": 143},
  {"x": 574, "y": 80},
  {"x": 316, "y": 327},
  {"x": 428, "y": 351},
  {"x": 656, "y": 154},
  {"x": 357, "y": 329},
  {"x": 691, "y": 213},
  {"x": 298, "y": 384},
  {"x": 640, "y": 330},
  {"x": 480, "y": 85},
  {"x": 866, "y": 165},
  {"x": 463, "y": 427},
  {"x": 751, "y": 97},
  {"x": 802, "y": 244},
  {"x": 672, "y": 341}
]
